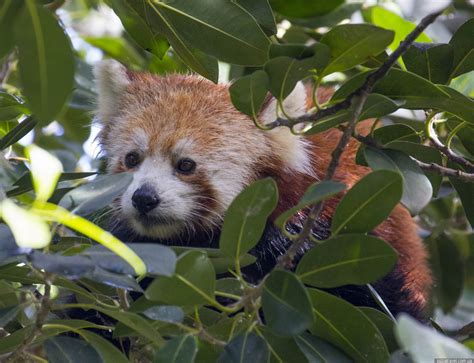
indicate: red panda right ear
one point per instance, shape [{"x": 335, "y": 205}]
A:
[{"x": 111, "y": 80}]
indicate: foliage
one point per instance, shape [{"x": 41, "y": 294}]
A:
[{"x": 65, "y": 298}]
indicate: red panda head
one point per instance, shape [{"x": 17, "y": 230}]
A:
[{"x": 190, "y": 151}]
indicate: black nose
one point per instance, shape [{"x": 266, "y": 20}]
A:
[{"x": 145, "y": 199}]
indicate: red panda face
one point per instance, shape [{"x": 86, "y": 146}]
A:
[{"x": 191, "y": 153}]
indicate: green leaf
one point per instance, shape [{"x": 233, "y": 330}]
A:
[
  {"x": 14, "y": 340},
  {"x": 417, "y": 190},
  {"x": 249, "y": 92},
  {"x": 119, "y": 49},
  {"x": 463, "y": 46},
  {"x": 97, "y": 194},
  {"x": 448, "y": 271},
  {"x": 431, "y": 61},
  {"x": 352, "y": 44},
  {"x": 193, "y": 283},
  {"x": 368, "y": 203},
  {"x": 284, "y": 72},
  {"x": 181, "y": 349},
  {"x": 146, "y": 37},
  {"x": 17, "y": 133},
  {"x": 465, "y": 135},
  {"x": 423, "y": 153},
  {"x": 207, "y": 26},
  {"x": 282, "y": 349},
  {"x": 384, "y": 18},
  {"x": 46, "y": 61},
  {"x": 285, "y": 303},
  {"x": 246, "y": 347},
  {"x": 8, "y": 314},
  {"x": 345, "y": 326},
  {"x": 384, "y": 324},
  {"x": 348, "y": 259},
  {"x": 168, "y": 314},
  {"x": 435, "y": 345},
  {"x": 262, "y": 12},
  {"x": 107, "y": 351},
  {"x": 199, "y": 61},
  {"x": 10, "y": 107},
  {"x": 315, "y": 193},
  {"x": 304, "y": 9},
  {"x": 9, "y": 10},
  {"x": 465, "y": 191},
  {"x": 342, "y": 12},
  {"x": 389, "y": 134},
  {"x": 246, "y": 217},
  {"x": 319, "y": 351},
  {"x": 67, "y": 349}
]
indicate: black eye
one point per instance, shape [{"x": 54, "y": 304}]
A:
[
  {"x": 132, "y": 159},
  {"x": 186, "y": 166}
]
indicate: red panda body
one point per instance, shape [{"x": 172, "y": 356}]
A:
[{"x": 191, "y": 153}]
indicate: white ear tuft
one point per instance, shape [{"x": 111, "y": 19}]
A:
[
  {"x": 112, "y": 80},
  {"x": 293, "y": 150}
]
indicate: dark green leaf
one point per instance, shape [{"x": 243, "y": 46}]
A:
[
  {"x": 465, "y": 191},
  {"x": 463, "y": 46},
  {"x": 166, "y": 313},
  {"x": 345, "y": 326},
  {"x": 319, "y": 351},
  {"x": 285, "y": 303},
  {"x": 304, "y": 9},
  {"x": 246, "y": 218},
  {"x": 465, "y": 135},
  {"x": 146, "y": 37},
  {"x": 46, "y": 61},
  {"x": 431, "y": 61},
  {"x": 417, "y": 190},
  {"x": 246, "y": 347},
  {"x": 8, "y": 314},
  {"x": 395, "y": 133},
  {"x": 448, "y": 270},
  {"x": 8, "y": 12},
  {"x": 262, "y": 12},
  {"x": 10, "y": 107},
  {"x": 314, "y": 194},
  {"x": 193, "y": 283},
  {"x": 249, "y": 92},
  {"x": 282, "y": 349},
  {"x": 384, "y": 324},
  {"x": 107, "y": 351},
  {"x": 17, "y": 132},
  {"x": 14, "y": 340},
  {"x": 182, "y": 349},
  {"x": 67, "y": 349},
  {"x": 342, "y": 12},
  {"x": 368, "y": 203},
  {"x": 346, "y": 259},
  {"x": 352, "y": 44},
  {"x": 97, "y": 194}
]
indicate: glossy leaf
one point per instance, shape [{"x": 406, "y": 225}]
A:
[
  {"x": 246, "y": 347},
  {"x": 417, "y": 190},
  {"x": 431, "y": 61},
  {"x": 246, "y": 218},
  {"x": 249, "y": 92},
  {"x": 368, "y": 203},
  {"x": 97, "y": 194},
  {"x": 262, "y": 12},
  {"x": 17, "y": 133},
  {"x": 341, "y": 324},
  {"x": 352, "y": 44},
  {"x": 318, "y": 351},
  {"x": 463, "y": 46},
  {"x": 435, "y": 345},
  {"x": 285, "y": 303},
  {"x": 347, "y": 259},
  {"x": 303, "y": 9},
  {"x": 192, "y": 284},
  {"x": 47, "y": 71},
  {"x": 315, "y": 193},
  {"x": 165, "y": 313},
  {"x": 10, "y": 107},
  {"x": 182, "y": 349},
  {"x": 384, "y": 324},
  {"x": 67, "y": 349},
  {"x": 389, "y": 134}
]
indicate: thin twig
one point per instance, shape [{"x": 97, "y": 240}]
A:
[
  {"x": 356, "y": 101},
  {"x": 451, "y": 155},
  {"x": 369, "y": 81}
]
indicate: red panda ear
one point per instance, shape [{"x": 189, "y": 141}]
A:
[
  {"x": 112, "y": 80},
  {"x": 294, "y": 105}
]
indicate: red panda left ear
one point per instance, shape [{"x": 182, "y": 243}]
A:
[
  {"x": 112, "y": 80},
  {"x": 292, "y": 150}
]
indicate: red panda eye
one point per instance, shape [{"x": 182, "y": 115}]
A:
[
  {"x": 186, "y": 166},
  {"x": 132, "y": 159}
]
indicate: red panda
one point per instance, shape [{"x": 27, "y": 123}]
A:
[{"x": 191, "y": 153}]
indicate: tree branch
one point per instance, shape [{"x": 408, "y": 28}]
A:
[
  {"x": 451, "y": 155},
  {"x": 356, "y": 100}
]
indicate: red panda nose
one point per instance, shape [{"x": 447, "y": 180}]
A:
[{"x": 145, "y": 199}]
